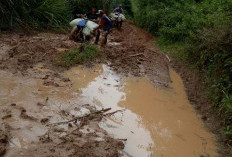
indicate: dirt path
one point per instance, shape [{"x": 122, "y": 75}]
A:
[
  {"x": 35, "y": 92},
  {"x": 134, "y": 54}
]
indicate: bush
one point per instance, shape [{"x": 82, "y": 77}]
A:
[
  {"x": 36, "y": 14},
  {"x": 211, "y": 51},
  {"x": 83, "y": 6},
  {"x": 75, "y": 56}
]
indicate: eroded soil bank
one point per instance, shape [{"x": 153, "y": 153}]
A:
[{"x": 50, "y": 110}]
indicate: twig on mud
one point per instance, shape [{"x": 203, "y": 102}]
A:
[
  {"x": 122, "y": 139},
  {"x": 44, "y": 54},
  {"x": 139, "y": 54},
  {"x": 110, "y": 114},
  {"x": 85, "y": 116},
  {"x": 97, "y": 112},
  {"x": 168, "y": 58}
]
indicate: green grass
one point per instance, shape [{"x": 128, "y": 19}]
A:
[
  {"x": 76, "y": 56},
  {"x": 176, "y": 50}
]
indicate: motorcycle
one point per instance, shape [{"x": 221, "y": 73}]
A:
[
  {"x": 117, "y": 19},
  {"x": 82, "y": 29}
]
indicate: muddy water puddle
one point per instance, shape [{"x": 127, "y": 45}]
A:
[
  {"x": 153, "y": 122},
  {"x": 25, "y": 103}
]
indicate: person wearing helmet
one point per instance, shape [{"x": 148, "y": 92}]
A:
[
  {"x": 105, "y": 24},
  {"x": 119, "y": 9}
]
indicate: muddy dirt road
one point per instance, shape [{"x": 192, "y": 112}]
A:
[{"x": 126, "y": 102}]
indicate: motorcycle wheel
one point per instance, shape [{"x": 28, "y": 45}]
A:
[{"x": 78, "y": 35}]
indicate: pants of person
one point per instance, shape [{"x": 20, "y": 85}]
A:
[
  {"x": 120, "y": 24},
  {"x": 104, "y": 34}
]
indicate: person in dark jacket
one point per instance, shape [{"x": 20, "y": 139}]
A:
[
  {"x": 92, "y": 15},
  {"x": 105, "y": 24}
]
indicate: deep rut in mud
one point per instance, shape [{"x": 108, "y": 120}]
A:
[{"x": 150, "y": 114}]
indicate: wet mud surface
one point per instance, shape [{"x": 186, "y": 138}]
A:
[
  {"x": 47, "y": 120},
  {"x": 131, "y": 52},
  {"x": 126, "y": 102},
  {"x": 24, "y": 54}
]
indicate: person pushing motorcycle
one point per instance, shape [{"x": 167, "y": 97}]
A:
[
  {"x": 91, "y": 15},
  {"x": 119, "y": 9},
  {"x": 105, "y": 24}
]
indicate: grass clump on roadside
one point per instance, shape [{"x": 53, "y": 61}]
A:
[{"x": 77, "y": 56}]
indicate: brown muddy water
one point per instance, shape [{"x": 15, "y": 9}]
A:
[{"x": 155, "y": 122}]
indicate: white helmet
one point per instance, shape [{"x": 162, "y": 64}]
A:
[{"x": 100, "y": 12}]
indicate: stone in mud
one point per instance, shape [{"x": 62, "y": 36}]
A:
[
  {"x": 13, "y": 104},
  {"x": 6, "y": 116},
  {"x": 120, "y": 145},
  {"x": 44, "y": 120},
  {"x": 51, "y": 83},
  {"x": 40, "y": 104},
  {"x": 25, "y": 116},
  {"x": 66, "y": 80},
  {"x": 45, "y": 77}
]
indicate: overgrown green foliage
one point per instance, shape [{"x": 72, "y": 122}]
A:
[
  {"x": 84, "y": 6},
  {"x": 75, "y": 56},
  {"x": 45, "y": 14},
  {"x": 34, "y": 14},
  {"x": 199, "y": 32}
]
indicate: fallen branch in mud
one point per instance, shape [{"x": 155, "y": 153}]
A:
[
  {"x": 101, "y": 111},
  {"x": 139, "y": 54},
  {"x": 122, "y": 139},
  {"x": 110, "y": 114},
  {"x": 82, "y": 117},
  {"x": 168, "y": 58},
  {"x": 83, "y": 121}
]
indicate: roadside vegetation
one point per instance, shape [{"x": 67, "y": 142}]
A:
[
  {"x": 34, "y": 14},
  {"x": 76, "y": 56},
  {"x": 199, "y": 33},
  {"x": 44, "y": 14}
]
